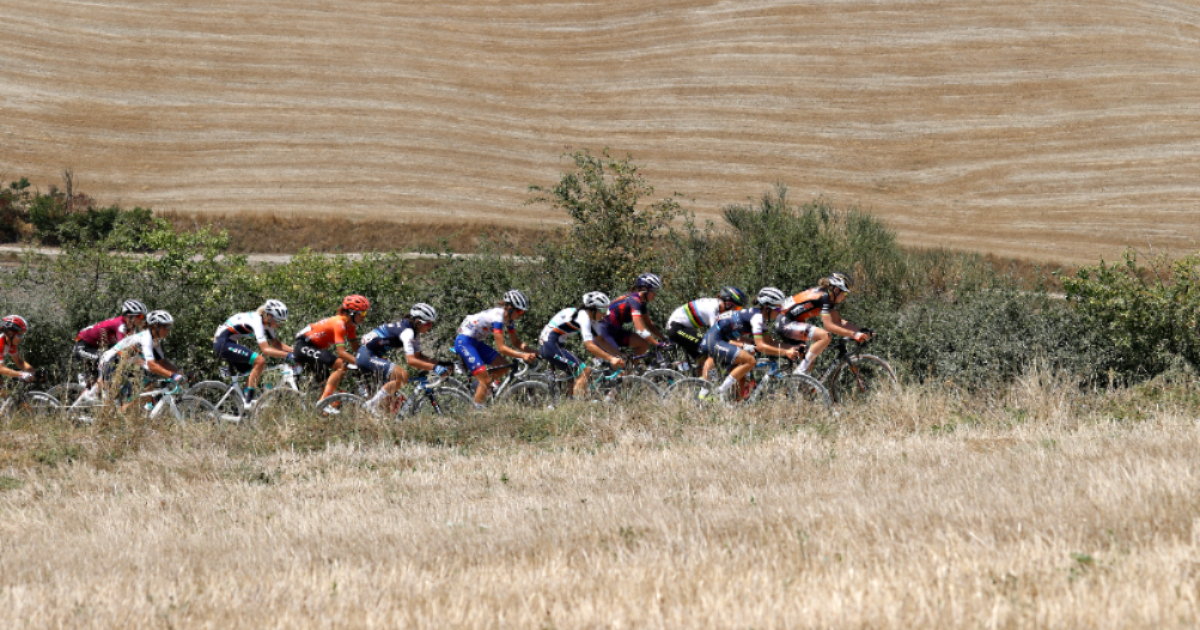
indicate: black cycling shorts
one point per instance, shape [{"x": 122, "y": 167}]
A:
[{"x": 687, "y": 338}]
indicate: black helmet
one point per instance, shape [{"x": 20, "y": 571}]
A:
[{"x": 733, "y": 294}]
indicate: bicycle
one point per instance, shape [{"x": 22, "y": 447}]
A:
[
  {"x": 854, "y": 375},
  {"x": 522, "y": 385},
  {"x": 168, "y": 398},
  {"x": 608, "y": 384},
  {"x": 772, "y": 379},
  {"x": 230, "y": 400},
  {"x": 28, "y": 401},
  {"x": 423, "y": 398}
]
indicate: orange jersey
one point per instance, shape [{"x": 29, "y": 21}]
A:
[
  {"x": 808, "y": 304},
  {"x": 332, "y": 331}
]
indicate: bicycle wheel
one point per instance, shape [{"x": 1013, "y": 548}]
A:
[
  {"x": 628, "y": 390},
  {"x": 532, "y": 394},
  {"x": 443, "y": 401},
  {"x": 229, "y": 407},
  {"x": 344, "y": 408},
  {"x": 278, "y": 405},
  {"x": 800, "y": 389},
  {"x": 195, "y": 409},
  {"x": 66, "y": 393},
  {"x": 856, "y": 380},
  {"x": 664, "y": 378},
  {"x": 37, "y": 404}
]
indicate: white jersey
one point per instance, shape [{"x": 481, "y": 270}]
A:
[
  {"x": 480, "y": 325},
  {"x": 143, "y": 343},
  {"x": 245, "y": 325},
  {"x": 568, "y": 322},
  {"x": 697, "y": 314}
]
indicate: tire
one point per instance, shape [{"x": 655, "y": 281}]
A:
[
  {"x": 196, "y": 410},
  {"x": 664, "y": 378},
  {"x": 344, "y": 409},
  {"x": 278, "y": 405},
  {"x": 689, "y": 390},
  {"x": 800, "y": 389},
  {"x": 231, "y": 408},
  {"x": 530, "y": 394},
  {"x": 632, "y": 390},
  {"x": 868, "y": 375},
  {"x": 39, "y": 404},
  {"x": 66, "y": 393},
  {"x": 451, "y": 403}
]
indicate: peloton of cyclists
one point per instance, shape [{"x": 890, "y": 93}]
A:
[
  {"x": 581, "y": 319},
  {"x": 404, "y": 333},
  {"x": 822, "y": 300},
  {"x": 723, "y": 341},
  {"x": 143, "y": 349},
  {"x": 496, "y": 323},
  {"x": 260, "y": 325},
  {"x": 690, "y": 322},
  {"x": 330, "y": 344}
]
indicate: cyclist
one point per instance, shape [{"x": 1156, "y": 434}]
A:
[
  {"x": 145, "y": 349},
  {"x": 495, "y": 322},
  {"x": 689, "y": 322},
  {"x": 92, "y": 341},
  {"x": 14, "y": 328},
  {"x": 631, "y": 308},
  {"x": 261, "y": 325},
  {"x": 405, "y": 333},
  {"x": 723, "y": 341},
  {"x": 582, "y": 320},
  {"x": 330, "y": 344},
  {"x": 824, "y": 300}
]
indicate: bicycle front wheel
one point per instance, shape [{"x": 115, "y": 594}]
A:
[
  {"x": 345, "y": 408},
  {"x": 279, "y": 405},
  {"x": 690, "y": 390},
  {"x": 446, "y": 402},
  {"x": 664, "y": 378},
  {"x": 66, "y": 393},
  {"x": 859, "y": 378},
  {"x": 628, "y": 390},
  {"x": 798, "y": 389},
  {"x": 532, "y": 394},
  {"x": 196, "y": 409},
  {"x": 229, "y": 405}
]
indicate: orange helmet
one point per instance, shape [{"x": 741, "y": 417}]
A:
[{"x": 356, "y": 303}]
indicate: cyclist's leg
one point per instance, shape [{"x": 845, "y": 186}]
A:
[
  {"x": 393, "y": 376},
  {"x": 89, "y": 356},
  {"x": 321, "y": 361},
  {"x": 478, "y": 356},
  {"x": 565, "y": 360},
  {"x": 818, "y": 339},
  {"x": 689, "y": 339}
]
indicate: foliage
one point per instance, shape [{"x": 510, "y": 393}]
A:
[
  {"x": 61, "y": 217},
  {"x": 1149, "y": 314}
]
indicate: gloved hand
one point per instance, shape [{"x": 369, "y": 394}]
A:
[
  {"x": 26, "y": 377},
  {"x": 178, "y": 378},
  {"x": 440, "y": 370},
  {"x": 862, "y": 336},
  {"x": 290, "y": 358}
]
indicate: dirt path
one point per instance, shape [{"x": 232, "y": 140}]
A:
[{"x": 1049, "y": 130}]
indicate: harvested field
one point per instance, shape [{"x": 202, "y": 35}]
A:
[{"x": 1051, "y": 131}]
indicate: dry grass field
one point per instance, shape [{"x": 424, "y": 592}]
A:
[
  {"x": 1042, "y": 130},
  {"x": 1038, "y": 508}
]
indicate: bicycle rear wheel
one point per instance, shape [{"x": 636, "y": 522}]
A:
[
  {"x": 625, "y": 390},
  {"x": 66, "y": 393},
  {"x": 443, "y": 402},
  {"x": 279, "y": 405},
  {"x": 859, "y": 378},
  {"x": 531, "y": 394},
  {"x": 689, "y": 390},
  {"x": 196, "y": 409},
  {"x": 229, "y": 407},
  {"x": 344, "y": 408},
  {"x": 664, "y": 378},
  {"x": 800, "y": 389}
]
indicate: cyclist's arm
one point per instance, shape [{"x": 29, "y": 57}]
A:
[
  {"x": 521, "y": 350},
  {"x": 22, "y": 366},
  {"x": 833, "y": 322},
  {"x": 161, "y": 367},
  {"x": 600, "y": 353},
  {"x": 274, "y": 348},
  {"x": 420, "y": 361},
  {"x": 768, "y": 345},
  {"x": 346, "y": 357},
  {"x": 643, "y": 326}
]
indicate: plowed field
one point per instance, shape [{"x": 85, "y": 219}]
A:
[{"x": 1048, "y": 130}]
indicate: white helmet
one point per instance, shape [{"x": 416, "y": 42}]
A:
[
  {"x": 276, "y": 309},
  {"x": 517, "y": 300},
  {"x": 157, "y": 318},
  {"x": 649, "y": 281},
  {"x": 133, "y": 307},
  {"x": 596, "y": 300},
  {"x": 423, "y": 312},
  {"x": 770, "y": 297},
  {"x": 842, "y": 281}
]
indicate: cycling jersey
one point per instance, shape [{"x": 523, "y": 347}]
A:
[
  {"x": 400, "y": 334},
  {"x": 697, "y": 314},
  {"x": 330, "y": 332},
  {"x": 7, "y": 350},
  {"x": 568, "y": 322},
  {"x": 109, "y": 330},
  {"x": 808, "y": 304},
  {"x": 622, "y": 310},
  {"x": 143, "y": 342},
  {"x": 733, "y": 324},
  {"x": 481, "y": 325},
  {"x": 245, "y": 325}
]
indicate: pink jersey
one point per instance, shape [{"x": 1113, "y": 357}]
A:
[{"x": 113, "y": 331}]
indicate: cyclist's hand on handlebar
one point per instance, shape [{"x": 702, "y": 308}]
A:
[
  {"x": 290, "y": 358},
  {"x": 440, "y": 370},
  {"x": 792, "y": 354},
  {"x": 178, "y": 378},
  {"x": 26, "y": 377},
  {"x": 862, "y": 336},
  {"x": 529, "y": 357},
  {"x": 617, "y": 362}
]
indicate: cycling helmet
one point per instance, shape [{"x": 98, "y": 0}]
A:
[
  {"x": 649, "y": 281},
  {"x": 517, "y": 300},
  {"x": 276, "y": 309},
  {"x": 842, "y": 281},
  {"x": 133, "y": 308},
  {"x": 15, "y": 323},
  {"x": 159, "y": 318},
  {"x": 770, "y": 297},
  {"x": 356, "y": 303},
  {"x": 733, "y": 294},
  {"x": 423, "y": 312},
  {"x": 596, "y": 300}
]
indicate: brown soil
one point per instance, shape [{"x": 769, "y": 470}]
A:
[{"x": 1044, "y": 130}]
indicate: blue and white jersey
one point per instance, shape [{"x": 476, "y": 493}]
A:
[
  {"x": 399, "y": 334},
  {"x": 480, "y": 325},
  {"x": 568, "y": 322},
  {"x": 733, "y": 324}
]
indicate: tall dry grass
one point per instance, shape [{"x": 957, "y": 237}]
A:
[{"x": 1038, "y": 506}]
